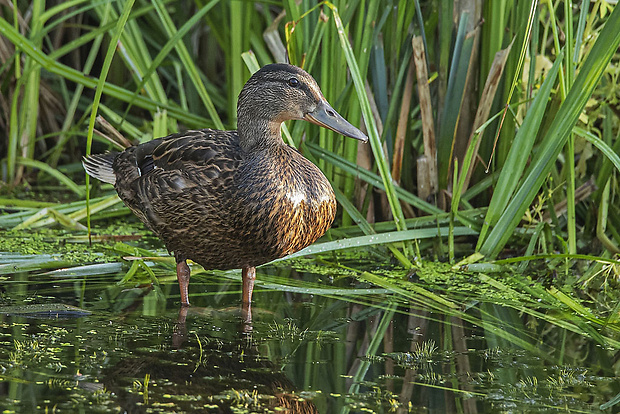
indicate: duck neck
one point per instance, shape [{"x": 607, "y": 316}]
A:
[{"x": 257, "y": 132}]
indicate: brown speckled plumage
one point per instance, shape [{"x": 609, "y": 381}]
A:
[
  {"x": 233, "y": 199},
  {"x": 222, "y": 210}
]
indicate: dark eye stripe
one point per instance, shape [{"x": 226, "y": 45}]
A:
[{"x": 300, "y": 85}]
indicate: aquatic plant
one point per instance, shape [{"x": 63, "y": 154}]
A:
[{"x": 518, "y": 102}]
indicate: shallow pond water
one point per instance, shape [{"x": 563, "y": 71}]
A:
[{"x": 346, "y": 346}]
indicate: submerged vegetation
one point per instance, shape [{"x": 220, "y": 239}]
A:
[{"x": 486, "y": 199}]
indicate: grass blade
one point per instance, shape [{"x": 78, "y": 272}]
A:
[
  {"x": 188, "y": 62},
  {"x": 516, "y": 161},
  {"x": 601, "y": 145},
  {"x": 589, "y": 76},
  {"x": 369, "y": 120},
  {"x": 120, "y": 25},
  {"x": 63, "y": 179},
  {"x": 383, "y": 238},
  {"x": 109, "y": 89}
]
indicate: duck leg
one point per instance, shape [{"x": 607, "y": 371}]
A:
[
  {"x": 248, "y": 275},
  {"x": 183, "y": 275}
]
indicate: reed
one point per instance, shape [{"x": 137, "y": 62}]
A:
[{"x": 549, "y": 124}]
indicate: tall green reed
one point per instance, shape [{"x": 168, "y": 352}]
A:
[{"x": 177, "y": 68}]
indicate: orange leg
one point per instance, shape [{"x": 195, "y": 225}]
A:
[
  {"x": 183, "y": 275},
  {"x": 248, "y": 275}
]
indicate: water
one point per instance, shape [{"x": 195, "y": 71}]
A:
[{"x": 126, "y": 348}]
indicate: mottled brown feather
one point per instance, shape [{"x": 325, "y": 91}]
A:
[
  {"x": 211, "y": 204},
  {"x": 228, "y": 199}
]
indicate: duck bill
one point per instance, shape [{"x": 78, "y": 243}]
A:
[{"x": 324, "y": 115}]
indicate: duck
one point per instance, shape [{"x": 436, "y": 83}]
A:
[{"x": 233, "y": 199}]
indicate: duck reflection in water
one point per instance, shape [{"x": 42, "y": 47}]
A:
[{"x": 205, "y": 374}]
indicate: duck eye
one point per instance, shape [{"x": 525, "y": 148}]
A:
[{"x": 294, "y": 82}]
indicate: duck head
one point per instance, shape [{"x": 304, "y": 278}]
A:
[{"x": 281, "y": 92}]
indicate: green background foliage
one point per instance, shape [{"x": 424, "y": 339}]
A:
[{"x": 520, "y": 100}]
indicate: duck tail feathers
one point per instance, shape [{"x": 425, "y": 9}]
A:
[{"x": 99, "y": 166}]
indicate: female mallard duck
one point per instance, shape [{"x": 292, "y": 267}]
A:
[{"x": 233, "y": 199}]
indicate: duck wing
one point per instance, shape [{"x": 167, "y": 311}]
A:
[{"x": 176, "y": 179}]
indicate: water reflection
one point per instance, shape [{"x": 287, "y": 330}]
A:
[
  {"x": 202, "y": 372},
  {"x": 134, "y": 349},
  {"x": 137, "y": 363}
]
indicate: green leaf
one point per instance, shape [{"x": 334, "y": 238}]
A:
[
  {"x": 63, "y": 179},
  {"x": 520, "y": 152},
  {"x": 554, "y": 140}
]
